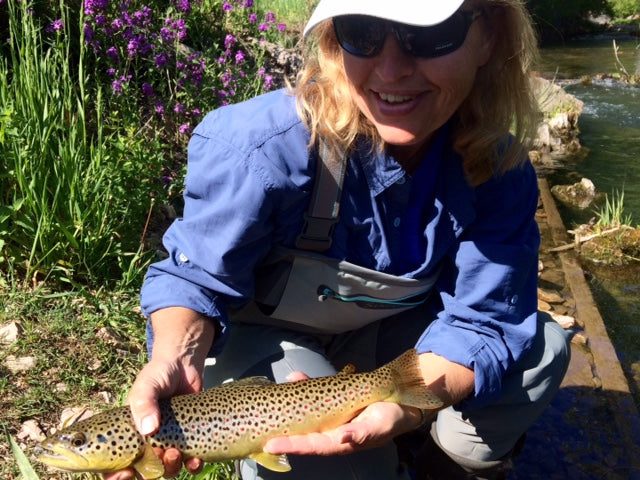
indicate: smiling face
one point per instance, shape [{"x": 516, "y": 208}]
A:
[{"x": 408, "y": 98}]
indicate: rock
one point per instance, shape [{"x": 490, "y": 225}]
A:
[
  {"x": 107, "y": 397},
  {"x": 558, "y": 132},
  {"x": 580, "y": 339},
  {"x": 579, "y": 194},
  {"x": 549, "y": 296},
  {"x": 565, "y": 321},
  {"x": 543, "y": 306},
  {"x": 9, "y": 333},
  {"x": 19, "y": 364},
  {"x": 30, "y": 430}
]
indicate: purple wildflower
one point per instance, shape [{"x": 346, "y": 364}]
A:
[
  {"x": 270, "y": 17},
  {"x": 167, "y": 34},
  {"x": 117, "y": 24},
  {"x": 263, "y": 27},
  {"x": 55, "y": 26},
  {"x": 184, "y": 129},
  {"x": 184, "y": 6},
  {"x": 239, "y": 57},
  {"x": 161, "y": 60},
  {"x": 147, "y": 89},
  {"x": 133, "y": 47},
  {"x": 91, "y": 7},
  {"x": 282, "y": 27},
  {"x": 268, "y": 83},
  {"x": 229, "y": 41},
  {"x": 179, "y": 108},
  {"x": 227, "y": 7},
  {"x": 253, "y": 18},
  {"x": 116, "y": 86},
  {"x": 88, "y": 33},
  {"x": 112, "y": 52},
  {"x": 248, "y": 3}
]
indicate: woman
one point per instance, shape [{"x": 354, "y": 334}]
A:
[{"x": 401, "y": 121}]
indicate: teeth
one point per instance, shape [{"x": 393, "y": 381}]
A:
[{"x": 394, "y": 98}]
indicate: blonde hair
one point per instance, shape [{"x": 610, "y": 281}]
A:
[{"x": 500, "y": 100}]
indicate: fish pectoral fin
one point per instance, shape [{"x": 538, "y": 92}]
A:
[
  {"x": 277, "y": 463},
  {"x": 149, "y": 465}
]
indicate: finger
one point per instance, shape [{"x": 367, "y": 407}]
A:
[
  {"x": 194, "y": 465},
  {"x": 328, "y": 443},
  {"x": 126, "y": 474},
  {"x": 172, "y": 459},
  {"x": 296, "y": 376}
]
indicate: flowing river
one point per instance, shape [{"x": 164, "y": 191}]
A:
[{"x": 610, "y": 131}]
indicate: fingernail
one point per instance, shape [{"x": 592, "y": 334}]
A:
[{"x": 148, "y": 425}]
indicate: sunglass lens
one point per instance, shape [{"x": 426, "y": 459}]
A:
[
  {"x": 437, "y": 40},
  {"x": 360, "y": 35}
]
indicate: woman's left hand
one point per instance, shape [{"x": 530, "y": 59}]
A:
[{"x": 375, "y": 426}]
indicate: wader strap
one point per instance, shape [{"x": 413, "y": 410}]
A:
[{"x": 324, "y": 207}]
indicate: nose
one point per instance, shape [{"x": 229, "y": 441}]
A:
[{"x": 393, "y": 62}]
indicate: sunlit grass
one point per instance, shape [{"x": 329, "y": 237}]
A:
[{"x": 612, "y": 214}]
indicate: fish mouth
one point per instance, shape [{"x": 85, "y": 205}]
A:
[{"x": 60, "y": 457}]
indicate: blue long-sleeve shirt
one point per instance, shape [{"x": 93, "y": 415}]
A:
[{"x": 248, "y": 185}]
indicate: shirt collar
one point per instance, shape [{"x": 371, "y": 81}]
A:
[{"x": 381, "y": 170}]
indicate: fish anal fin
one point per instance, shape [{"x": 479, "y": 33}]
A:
[
  {"x": 277, "y": 463},
  {"x": 149, "y": 465}
]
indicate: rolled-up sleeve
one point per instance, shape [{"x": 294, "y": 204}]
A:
[{"x": 488, "y": 287}]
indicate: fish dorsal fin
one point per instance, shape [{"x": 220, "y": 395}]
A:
[
  {"x": 149, "y": 465},
  {"x": 248, "y": 382},
  {"x": 74, "y": 417},
  {"x": 348, "y": 369},
  {"x": 277, "y": 463}
]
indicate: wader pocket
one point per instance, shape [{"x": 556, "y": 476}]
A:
[{"x": 327, "y": 295}]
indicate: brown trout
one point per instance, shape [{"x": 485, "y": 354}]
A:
[{"x": 234, "y": 420}]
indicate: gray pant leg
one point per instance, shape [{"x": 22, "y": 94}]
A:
[
  {"x": 490, "y": 433},
  {"x": 273, "y": 352}
]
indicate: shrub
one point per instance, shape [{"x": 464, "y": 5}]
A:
[{"x": 625, "y": 8}]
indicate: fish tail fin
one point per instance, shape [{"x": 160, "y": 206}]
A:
[{"x": 410, "y": 387}]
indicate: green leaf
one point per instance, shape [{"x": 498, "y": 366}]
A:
[{"x": 27, "y": 471}]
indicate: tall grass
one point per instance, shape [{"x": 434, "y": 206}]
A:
[
  {"x": 95, "y": 113},
  {"x": 65, "y": 212}
]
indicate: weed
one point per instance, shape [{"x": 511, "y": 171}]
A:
[{"x": 611, "y": 214}]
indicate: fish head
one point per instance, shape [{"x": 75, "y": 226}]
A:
[{"x": 102, "y": 443}]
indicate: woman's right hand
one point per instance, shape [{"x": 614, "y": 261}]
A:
[{"x": 181, "y": 342}]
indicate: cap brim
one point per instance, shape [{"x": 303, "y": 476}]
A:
[{"x": 411, "y": 12}]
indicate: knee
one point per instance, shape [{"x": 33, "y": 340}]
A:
[{"x": 557, "y": 342}]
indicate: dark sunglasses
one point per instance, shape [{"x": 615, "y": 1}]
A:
[{"x": 364, "y": 36}]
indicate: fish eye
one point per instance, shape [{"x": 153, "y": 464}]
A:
[{"x": 76, "y": 439}]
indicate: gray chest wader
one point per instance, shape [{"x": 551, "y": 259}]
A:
[{"x": 304, "y": 290}]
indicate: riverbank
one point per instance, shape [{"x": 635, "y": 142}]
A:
[{"x": 592, "y": 428}]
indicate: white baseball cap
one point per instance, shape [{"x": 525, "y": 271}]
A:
[{"x": 412, "y": 12}]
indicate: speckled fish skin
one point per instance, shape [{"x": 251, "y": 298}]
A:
[{"x": 234, "y": 420}]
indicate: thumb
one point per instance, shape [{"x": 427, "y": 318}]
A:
[{"x": 144, "y": 408}]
